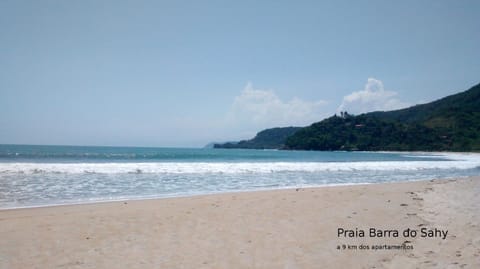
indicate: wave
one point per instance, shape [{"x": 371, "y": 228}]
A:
[
  {"x": 451, "y": 161},
  {"x": 30, "y": 184}
]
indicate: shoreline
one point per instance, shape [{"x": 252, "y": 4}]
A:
[
  {"x": 174, "y": 196},
  {"x": 294, "y": 228}
]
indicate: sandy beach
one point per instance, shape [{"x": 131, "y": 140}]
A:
[{"x": 294, "y": 228}]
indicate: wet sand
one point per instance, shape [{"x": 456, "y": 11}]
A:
[{"x": 295, "y": 228}]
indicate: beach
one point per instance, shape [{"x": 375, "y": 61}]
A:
[{"x": 290, "y": 228}]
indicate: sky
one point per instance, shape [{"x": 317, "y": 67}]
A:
[{"x": 186, "y": 73}]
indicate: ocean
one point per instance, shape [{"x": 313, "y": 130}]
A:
[{"x": 51, "y": 175}]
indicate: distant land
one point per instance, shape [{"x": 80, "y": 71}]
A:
[
  {"x": 448, "y": 124},
  {"x": 273, "y": 138}
]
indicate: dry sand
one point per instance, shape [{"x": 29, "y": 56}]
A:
[{"x": 294, "y": 228}]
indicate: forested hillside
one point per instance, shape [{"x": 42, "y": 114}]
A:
[{"x": 451, "y": 123}]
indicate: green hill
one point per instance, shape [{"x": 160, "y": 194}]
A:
[
  {"x": 451, "y": 123},
  {"x": 273, "y": 138}
]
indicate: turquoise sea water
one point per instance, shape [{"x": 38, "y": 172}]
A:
[{"x": 47, "y": 175}]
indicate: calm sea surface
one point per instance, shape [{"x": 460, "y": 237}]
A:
[{"x": 47, "y": 175}]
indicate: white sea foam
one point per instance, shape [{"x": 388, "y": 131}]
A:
[
  {"x": 452, "y": 161},
  {"x": 33, "y": 184}
]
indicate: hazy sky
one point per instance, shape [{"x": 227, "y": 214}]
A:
[{"x": 185, "y": 73}]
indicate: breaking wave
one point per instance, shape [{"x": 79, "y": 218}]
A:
[
  {"x": 450, "y": 162},
  {"x": 43, "y": 183}
]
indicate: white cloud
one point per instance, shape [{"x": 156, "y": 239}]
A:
[
  {"x": 255, "y": 109},
  {"x": 373, "y": 98}
]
